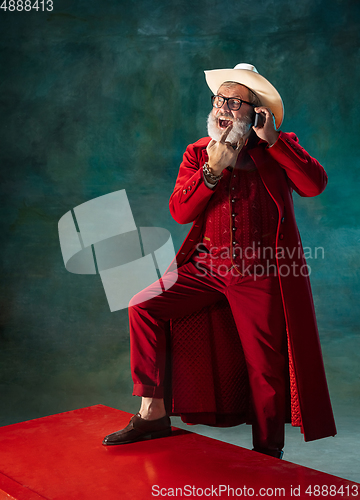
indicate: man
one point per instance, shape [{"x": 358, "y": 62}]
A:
[{"x": 236, "y": 187}]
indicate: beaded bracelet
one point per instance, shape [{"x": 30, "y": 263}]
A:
[{"x": 208, "y": 172}]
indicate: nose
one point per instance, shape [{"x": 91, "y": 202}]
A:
[
  {"x": 226, "y": 106},
  {"x": 224, "y": 110}
]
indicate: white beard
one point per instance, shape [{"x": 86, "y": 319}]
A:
[{"x": 240, "y": 127}]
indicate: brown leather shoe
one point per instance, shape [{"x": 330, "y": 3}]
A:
[{"x": 139, "y": 429}]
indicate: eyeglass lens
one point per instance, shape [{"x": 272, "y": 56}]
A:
[{"x": 234, "y": 104}]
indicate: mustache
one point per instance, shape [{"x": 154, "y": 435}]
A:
[{"x": 225, "y": 115}]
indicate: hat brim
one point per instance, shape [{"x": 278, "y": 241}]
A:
[{"x": 266, "y": 92}]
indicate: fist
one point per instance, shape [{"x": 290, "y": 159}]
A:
[{"x": 221, "y": 153}]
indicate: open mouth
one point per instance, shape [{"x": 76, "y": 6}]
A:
[{"x": 224, "y": 123}]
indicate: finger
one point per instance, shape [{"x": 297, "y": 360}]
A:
[
  {"x": 268, "y": 117},
  {"x": 226, "y": 133},
  {"x": 265, "y": 111},
  {"x": 240, "y": 144},
  {"x": 262, "y": 109},
  {"x": 210, "y": 145}
]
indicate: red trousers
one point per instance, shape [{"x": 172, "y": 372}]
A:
[{"x": 257, "y": 308}]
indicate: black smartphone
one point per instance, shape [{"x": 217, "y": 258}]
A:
[{"x": 259, "y": 120}]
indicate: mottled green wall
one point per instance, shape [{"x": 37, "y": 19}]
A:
[{"x": 102, "y": 96}]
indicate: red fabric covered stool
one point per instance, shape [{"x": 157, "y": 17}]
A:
[{"x": 197, "y": 355}]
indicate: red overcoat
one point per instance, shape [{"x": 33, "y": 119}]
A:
[{"x": 284, "y": 167}]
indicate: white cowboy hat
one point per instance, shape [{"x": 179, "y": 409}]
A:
[{"x": 247, "y": 74}]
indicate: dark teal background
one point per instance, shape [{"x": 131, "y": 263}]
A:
[{"x": 101, "y": 96}]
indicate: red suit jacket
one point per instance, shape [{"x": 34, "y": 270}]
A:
[{"x": 209, "y": 379}]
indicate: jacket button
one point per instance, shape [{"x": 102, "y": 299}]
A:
[
  {"x": 189, "y": 188},
  {"x": 281, "y": 236},
  {"x": 234, "y": 228},
  {"x": 233, "y": 215},
  {"x": 194, "y": 183},
  {"x": 282, "y": 220},
  {"x": 233, "y": 201},
  {"x": 184, "y": 191}
]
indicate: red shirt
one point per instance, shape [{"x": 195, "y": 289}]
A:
[{"x": 240, "y": 223}]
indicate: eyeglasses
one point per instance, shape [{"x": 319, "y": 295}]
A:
[{"x": 233, "y": 103}]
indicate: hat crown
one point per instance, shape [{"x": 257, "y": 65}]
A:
[{"x": 248, "y": 67}]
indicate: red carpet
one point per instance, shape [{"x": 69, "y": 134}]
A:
[{"x": 61, "y": 458}]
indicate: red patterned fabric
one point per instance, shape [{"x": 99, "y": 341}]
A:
[
  {"x": 241, "y": 220},
  {"x": 209, "y": 376},
  {"x": 295, "y": 405}
]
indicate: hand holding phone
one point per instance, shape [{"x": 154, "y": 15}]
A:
[{"x": 264, "y": 125}]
